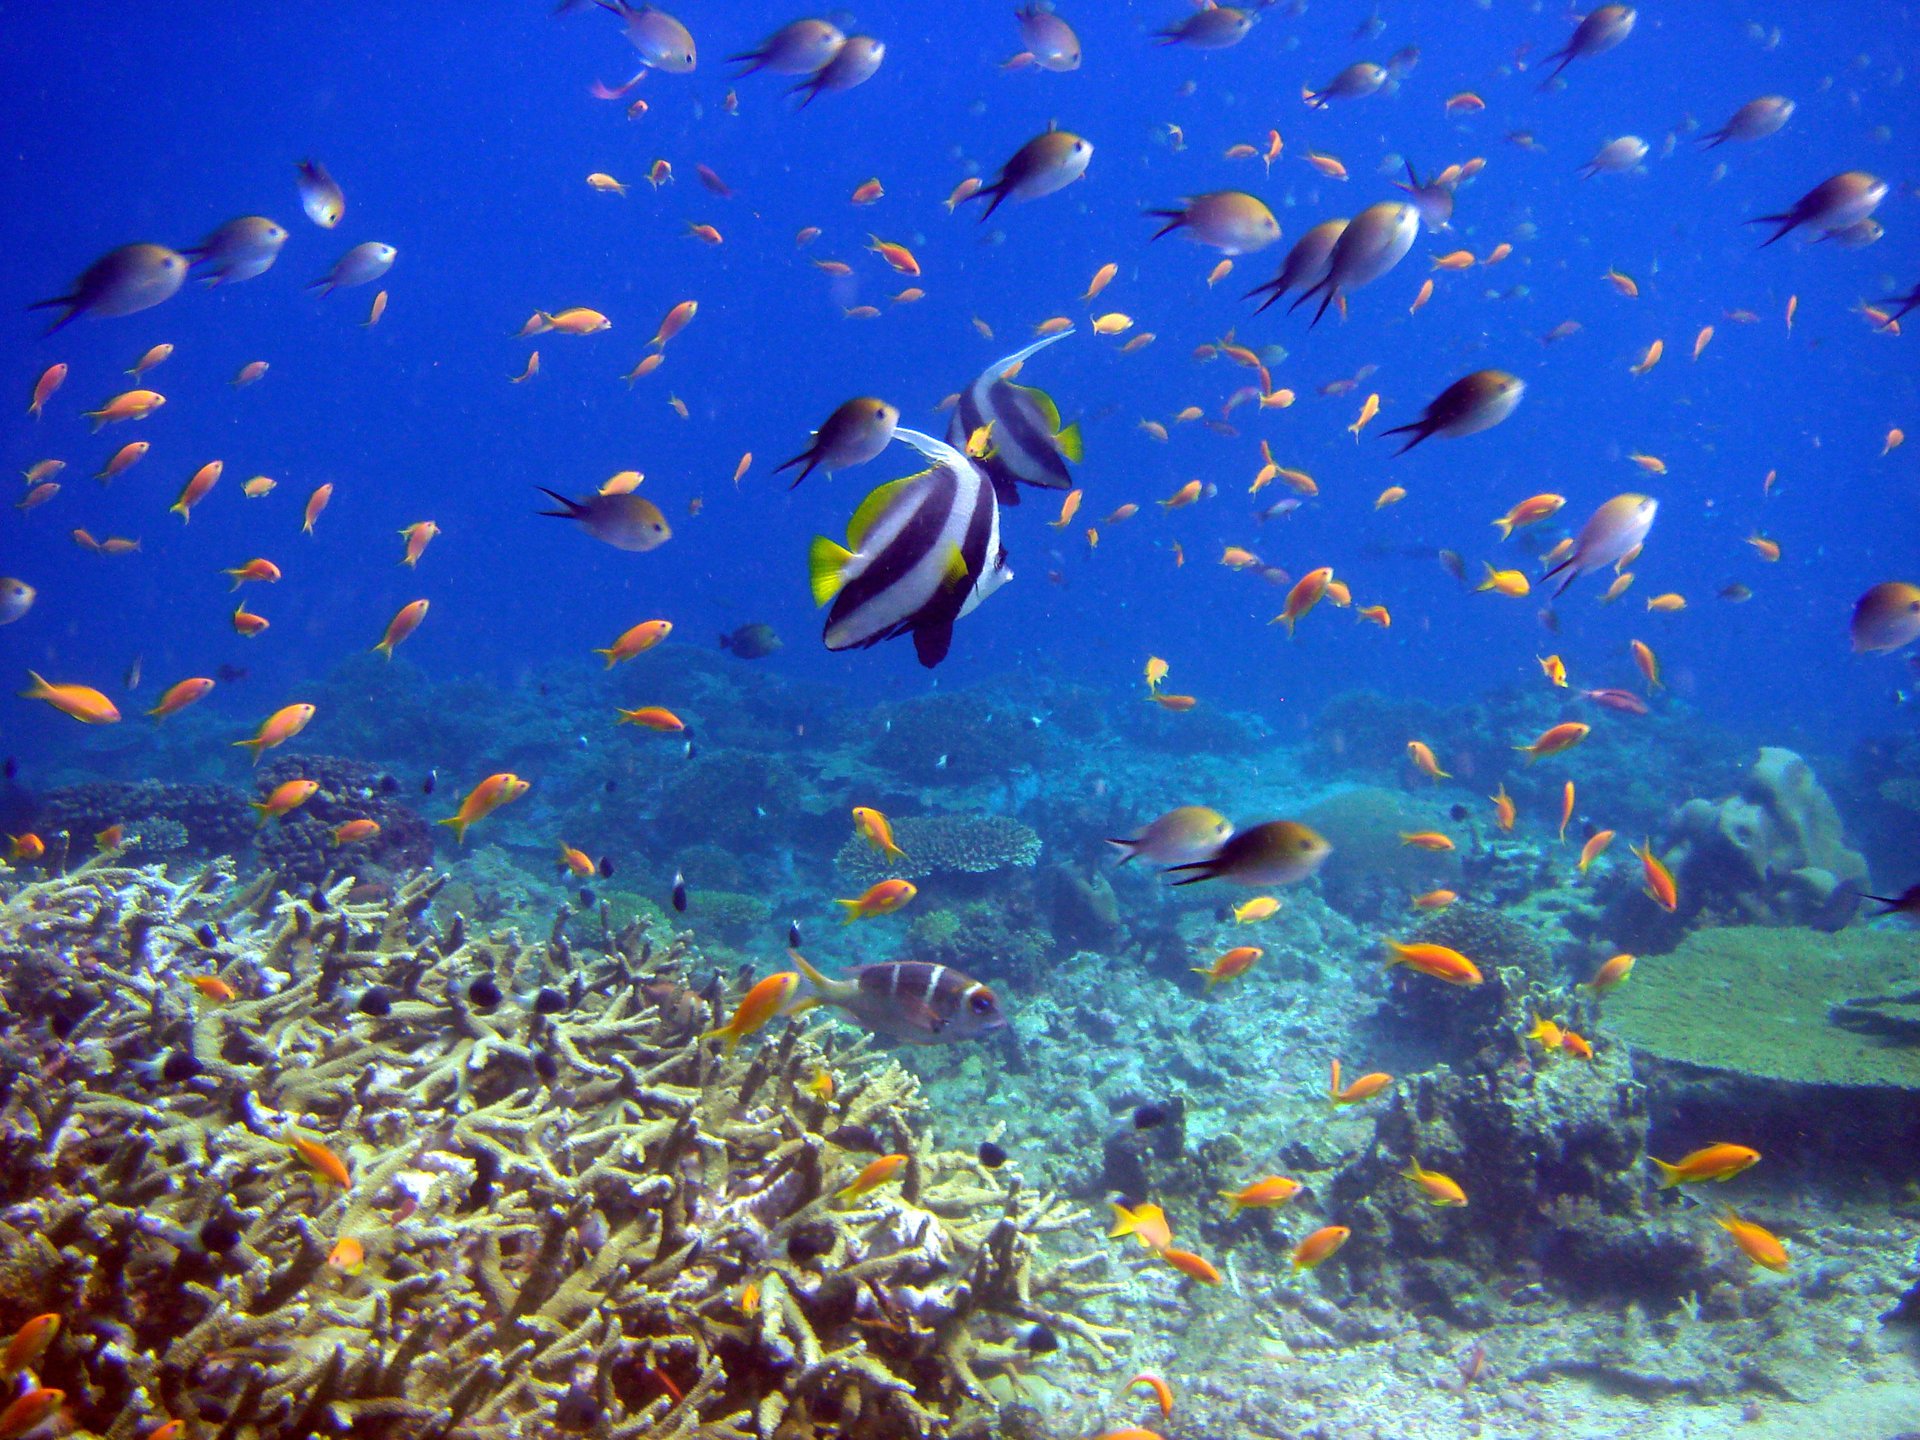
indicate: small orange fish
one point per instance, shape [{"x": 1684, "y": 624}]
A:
[
  {"x": 1612, "y": 975},
  {"x": 196, "y": 488},
  {"x": 1646, "y": 662},
  {"x": 1101, "y": 279},
  {"x": 1768, "y": 550},
  {"x": 1566, "y": 810},
  {"x": 316, "y": 502},
  {"x": 1545, "y": 1034},
  {"x": 123, "y": 459},
  {"x": 1435, "y": 1188},
  {"x": 1667, "y": 604},
  {"x": 1465, "y": 103},
  {"x": 653, "y": 717},
  {"x": 249, "y": 372},
  {"x": 897, "y": 256},
  {"x": 1759, "y": 1245},
  {"x": 759, "y": 1005},
  {"x": 348, "y": 1256},
  {"x": 286, "y": 797},
  {"x": 1426, "y": 294},
  {"x": 1422, "y": 756},
  {"x": 28, "y": 847},
  {"x": 375, "y": 311},
  {"x": 871, "y": 1178},
  {"x": 1710, "y": 1164},
  {"x": 705, "y": 234},
  {"x": 1504, "y": 812},
  {"x": 82, "y": 702},
  {"x": 1162, "y": 1392},
  {"x": 355, "y": 832},
  {"x": 1265, "y": 1194},
  {"x": 1649, "y": 358},
  {"x": 1529, "y": 511},
  {"x": 248, "y": 624},
  {"x": 675, "y": 320},
  {"x": 260, "y": 570},
  {"x": 881, "y": 898},
  {"x": 648, "y": 364},
  {"x": 485, "y": 798},
  {"x": 1180, "y": 704},
  {"x": 109, "y": 840},
  {"x": 1594, "y": 848},
  {"x": 51, "y": 379},
  {"x": 322, "y": 1161},
  {"x": 1191, "y": 1265},
  {"x": 1498, "y": 253},
  {"x": 1306, "y": 593},
  {"x": 636, "y": 640},
  {"x": 1146, "y": 1223},
  {"x": 1660, "y": 887},
  {"x": 29, "y": 1343},
  {"x": 1555, "y": 669},
  {"x": 1427, "y": 840},
  {"x": 1319, "y": 1246},
  {"x": 1624, "y": 285},
  {"x": 1327, "y": 165},
  {"x": 1511, "y": 583},
  {"x": 1183, "y": 497},
  {"x": 532, "y": 369},
  {"x": 1368, "y": 410},
  {"x": 1069, "y": 507},
  {"x": 278, "y": 728},
  {"x": 404, "y": 623},
  {"x": 1435, "y": 961},
  {"x": 1236, "y": 961},
  {"x": 1576, "y": 1045},
  {"x": 1375, "y": 614},
  {"x": 30, "y": 1411},
  {"x": 128, "y": 405},
  {"x": 1392, "y": 495},
  {"x": 1454, "y": 260},
  {"x": 1364, "y": 1088},
  {"x": 1553, "y": 741},
  {"x": 1701, "y": 341},
  {"x": 1435, "y": 900},
  {"x": 868, "y": 191},
  {"x": 212, "y": 987}
]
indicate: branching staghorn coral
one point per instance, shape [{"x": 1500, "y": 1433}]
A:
[{"x": 564, "y": 1210}]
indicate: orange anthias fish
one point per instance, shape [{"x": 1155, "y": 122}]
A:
[
  {"x": 1660, "y": 887},
  {"x": 1707, "y": 1165},
  {"x": 1261, "y": 1195},
  {"x": 1319, "y": 1246},
  {"x": 1427, "y": 840},
  {"x": 355, "y": 832},
  {"x": 348, "y": 1256},
  {"x": 1504, "y": 812},
  {"x": 1563, "y": 736},
  {"x": 322, "y": 1162},
  {"x": 404, "y": 623},
  {"x": 1566, "y": 810},
  {"x": 1422, "y": 756},
  {"x": 1612, "y": 975},
  {"x": 1191, "y": 1265},
  {"x": 1545, "y": 1034},
  {"x": 872, "y": 1178},
  {"x": 83, "y": 703},
  {"x": 1436, "y": 961},
  {"x": 1146, "y": 1223},
  {"x": 1435, "y": 1188},
  {"x": 653, "y": 717},
  {"x": 1162, "y": 1392},
  {"x": 759, "y": 1005},
  {"x": 286, "y": 797},
  {"x": 485, "y": 798},
  {"x": 1595, "y": 847},
  {"x": 277, "y": 729},
  {"x": 29, "y": 1343},
  {"x": 881, "y": 898},
  {"x": 1435, "y": 900},
  {"x": 1236, "y": 961},
  {"x": 635, "y": 640},
  {"x": 876, "y": 830},
  {"x": 212, "y": 987},
  {"x": 1365, "y": 1088},
  {"x": 1758, "y": 1244},
  {"x": 30, "y": 1411},
  {"x": 1306, "y": 593}
]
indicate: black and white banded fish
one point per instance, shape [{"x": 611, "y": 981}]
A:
[
  {"x": 1029, "y": 446},
  {"x": 911, "y": 1000},
  {"x": 921, "y": 552}
]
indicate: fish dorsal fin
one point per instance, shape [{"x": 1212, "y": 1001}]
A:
[
  {"x": 871, "y": 508},
  {"x": 826, "y": 568},
  {"x": 1042, "y": 402},
  {"x": 1070, "y": 443}
]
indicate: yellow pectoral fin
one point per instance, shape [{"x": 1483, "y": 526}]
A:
[
  {"x": 956, "y": 571},
  {"x": 826, "y": 568},
  {"x": 1071, "y": 444}
]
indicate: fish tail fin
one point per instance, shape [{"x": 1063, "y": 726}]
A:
[
  {"x": 1124, "y": 1223},
  {"x": 185, "y": 512},
  {"x": 385, "y": 648},
  {"x": 1233, "y": 1202},
  {"x": 260, "y": 808},
  {"x": 569, "y": 509},
  {"x": 458, "y": 825},
  {"x": 1784, "y": 220},
  {"x": 993, "y": 194},
  {"x": 852, "y": 908},
  {"x": 821, "y": 984},
  {"x": 1205, "y": 870},
  {"x": 892, "y": 849},
  {"x": 1669, "y": 1174},
  {"x": 826, "y": 568},
  {"x": 608, "y": 652},
  {"x": 1174, "y": 218},
  {"x": 1128, "y": 852},
  {"x": 1072, "y": 444},
  {"x": 38, "y": 688},
  {"x": 1202, "y": 970},
  {"x": 1505, "y": 527},
  {"x": 726, "y": 1034}
]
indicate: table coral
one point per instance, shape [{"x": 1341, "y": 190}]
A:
[{"x": 572, "y": 1210}]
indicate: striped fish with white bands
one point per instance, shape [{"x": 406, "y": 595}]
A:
[
  {"x": 921, "y": 552},
  {"x": 912, "y": 1000},
  {"x": 1029, "y": 446}
]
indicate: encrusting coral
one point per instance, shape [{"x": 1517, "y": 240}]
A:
[
  {"x": 545, "y": 1201},
  {"x": 943, "y": 845}
]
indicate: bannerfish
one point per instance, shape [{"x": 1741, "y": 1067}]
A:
[
  {"x": 911, "y": 1000},
  {"x": 626, "y": 522},
  {"x": 921, "y": 553},
  {"x": 1028, "y": 444}
]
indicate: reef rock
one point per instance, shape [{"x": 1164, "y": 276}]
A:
[
  {"x": 1773, "y": 854},
  {"x": 943, "y": 845}
]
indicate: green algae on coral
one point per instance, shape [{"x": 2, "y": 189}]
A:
[{"x": 1755, "y": 1000}]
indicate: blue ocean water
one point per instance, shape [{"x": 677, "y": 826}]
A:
[{"x": 463, "y": 138}]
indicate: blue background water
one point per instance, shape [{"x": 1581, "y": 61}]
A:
[{"x": 462, "y": 135}]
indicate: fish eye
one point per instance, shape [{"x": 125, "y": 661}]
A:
[{"x": 982, "y": 1002}]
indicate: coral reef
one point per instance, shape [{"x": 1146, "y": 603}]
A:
[
  {"x": 957, "y": 737},
  {"x": 943, "y": 845},
  {"x": 300, "y": 845},
  {"x": 161, "y": 819},
  {"x": 1760, "y": 1002},
  {"x": 1772, "y": 854},
  {"x": 544, "y": 1200}
]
